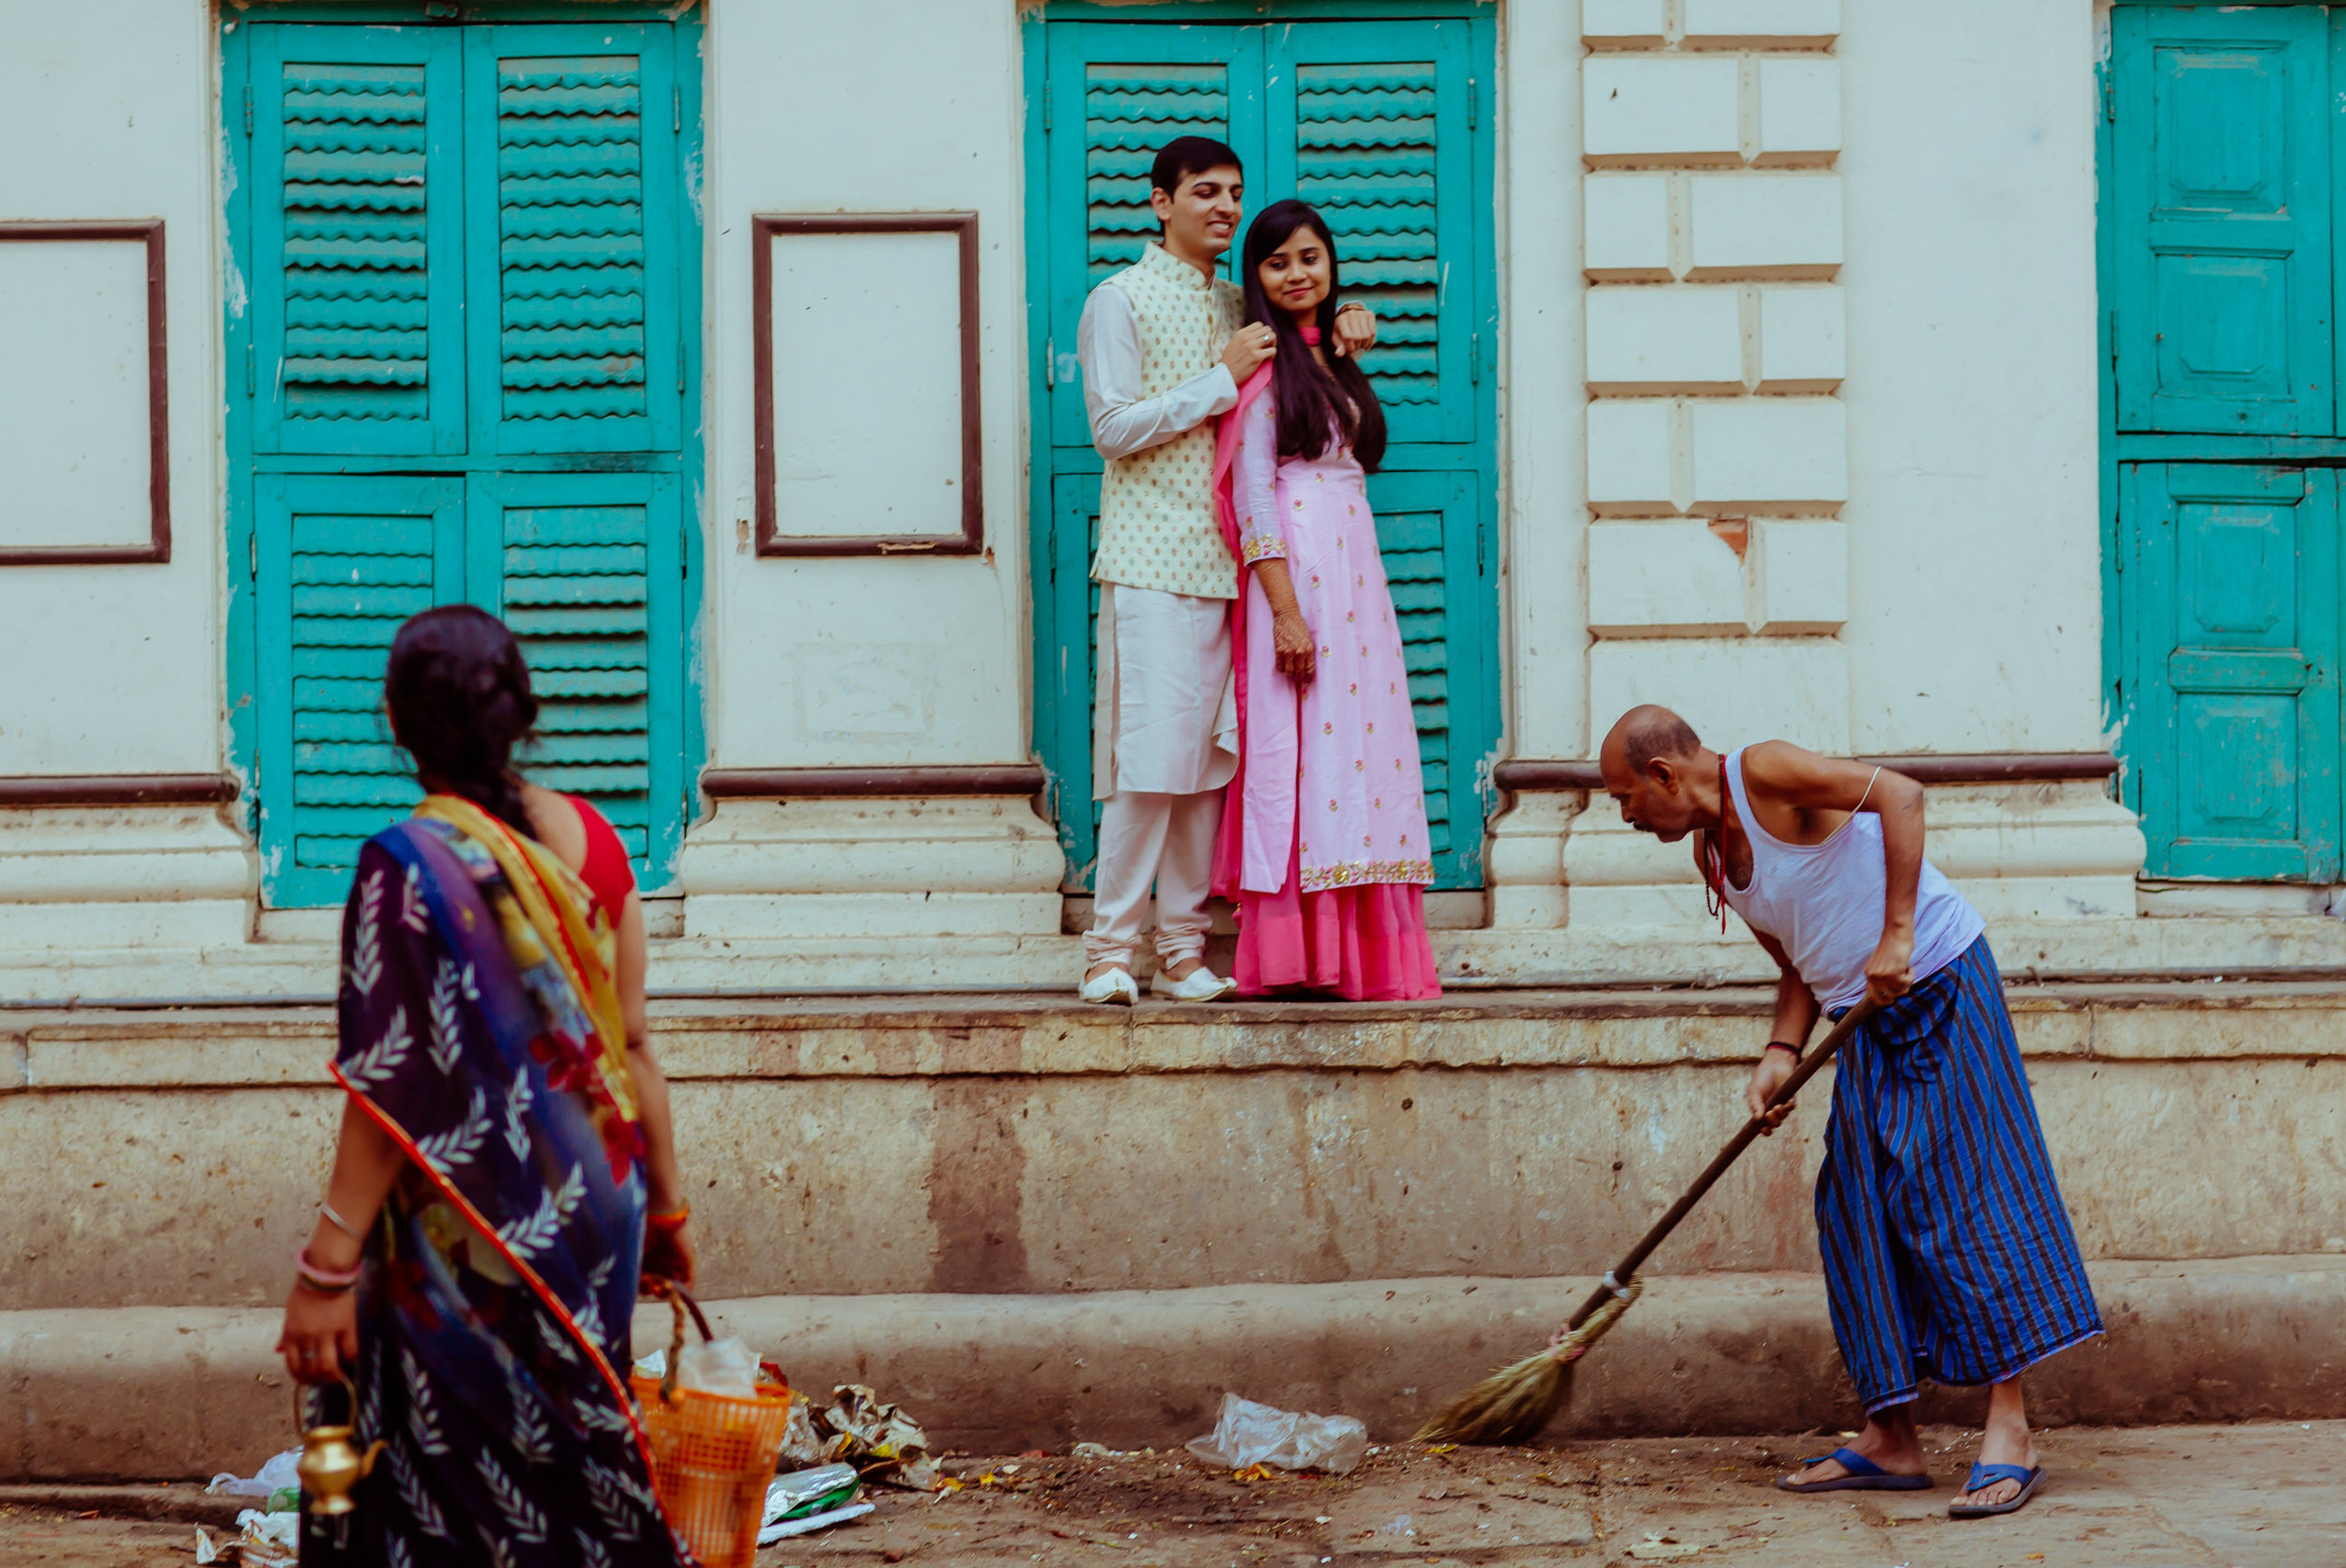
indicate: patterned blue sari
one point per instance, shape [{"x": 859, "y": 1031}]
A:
[{"x": 499, "y": 1282}]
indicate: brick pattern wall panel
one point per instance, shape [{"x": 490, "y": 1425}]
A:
[{"x": 1719, "y": 458}]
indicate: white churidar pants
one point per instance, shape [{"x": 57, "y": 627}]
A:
[{"x": 1164, "y": 743}]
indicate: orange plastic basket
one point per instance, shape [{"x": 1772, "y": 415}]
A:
[{"x": 711, "y": 1455}]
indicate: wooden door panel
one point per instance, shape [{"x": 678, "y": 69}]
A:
[
  {"x": 2233, "y": 725},
  {"x": 2223, "y": 208}
]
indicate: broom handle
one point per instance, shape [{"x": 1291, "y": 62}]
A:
[{"x": 1808, "y": 1068}]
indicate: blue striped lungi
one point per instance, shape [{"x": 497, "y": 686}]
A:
[{"x": 1947, "y": 1253}]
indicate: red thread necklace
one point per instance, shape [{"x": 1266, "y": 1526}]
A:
[{"x": 1714, "y": 856}]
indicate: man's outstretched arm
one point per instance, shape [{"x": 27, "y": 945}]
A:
[{"x": 1803, "y": 779}]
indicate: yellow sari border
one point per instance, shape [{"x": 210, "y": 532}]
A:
[{"x": 554, "y": 901}]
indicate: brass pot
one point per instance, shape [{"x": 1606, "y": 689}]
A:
[{"x": 331, "y": 1466}]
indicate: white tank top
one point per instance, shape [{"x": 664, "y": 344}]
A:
[{"x": 1823, "y": 901}]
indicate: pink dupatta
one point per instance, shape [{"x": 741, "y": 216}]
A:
[{"x": 1230, "y": 857}]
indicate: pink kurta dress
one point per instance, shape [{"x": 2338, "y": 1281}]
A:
[{"x": 1333, "y": 857}]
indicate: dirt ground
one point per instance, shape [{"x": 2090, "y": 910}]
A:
[{"x": 2263, "y": 1496}]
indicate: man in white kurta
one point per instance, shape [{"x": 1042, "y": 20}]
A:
[
  {"x": 1163, "y": 349},
  {"x": 1158, "y": 361}
]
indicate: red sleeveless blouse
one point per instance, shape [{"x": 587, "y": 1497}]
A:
[{"x": 607, "y": 875}]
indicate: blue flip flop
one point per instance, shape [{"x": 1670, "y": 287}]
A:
[
  {"x": 1988, "y": 1475},
  {"x": 1864, "y": 1476}
]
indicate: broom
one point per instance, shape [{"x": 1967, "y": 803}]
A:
[{"x": 1513, "y": 1405}]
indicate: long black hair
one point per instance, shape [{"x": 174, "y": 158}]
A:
[
  {"x": 458, "y": 693},
  {"x": 1311, "y": 396}
]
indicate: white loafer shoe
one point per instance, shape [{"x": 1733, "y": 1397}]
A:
[
  {"x": 1203, "y": 985},
  {"x": 1112, "y": 987}
]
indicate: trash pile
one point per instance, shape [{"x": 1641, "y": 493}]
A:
[
  {"x": 858, "y": 1428},
  {"x": 267, "y": 1536},
  {"x": 262, "y": 1540},
  {"x": 1249, "y": 1434}
]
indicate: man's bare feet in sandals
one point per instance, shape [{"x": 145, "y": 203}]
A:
[
  {"x": 1887, "y": 1457},
  {"x": 2007, "y": 1441}
]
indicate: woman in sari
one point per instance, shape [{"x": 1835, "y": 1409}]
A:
[
  {"x": 1324, "y": 845},
  {"x": 505, "y": 1170}
]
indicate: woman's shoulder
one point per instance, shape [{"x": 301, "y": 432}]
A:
[{"x": 560, "y": 822}]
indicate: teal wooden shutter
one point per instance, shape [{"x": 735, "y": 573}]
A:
[
  {"x": 342, "y": 560},
  {"x": 1124, "y": 92},
  {"x": 586, "y": 572},
  {"x": 2232, "y": 726},
  {"x": 357, "y": 308},
  {"x": 574, "y": 132},
  {"x": 1429, "y": 531},
  {"x": 2223, "y": 212},
  {"x": 1369, "y": 123}
]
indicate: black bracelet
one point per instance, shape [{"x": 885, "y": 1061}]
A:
[{"x": 1782, "y": 1045}]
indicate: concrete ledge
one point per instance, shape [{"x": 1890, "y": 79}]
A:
[
  {"x": 167, "y": 1158},
  {"x": 159, "y": 1393},
  {"x": 1015, "y": 1035}
]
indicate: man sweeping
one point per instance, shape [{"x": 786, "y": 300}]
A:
[
  {"x": 1947, "y": 1253},
  {"x": 1164, "y": 346}
]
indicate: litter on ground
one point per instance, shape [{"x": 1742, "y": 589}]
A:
[{"x": 1250, "y": 1434}]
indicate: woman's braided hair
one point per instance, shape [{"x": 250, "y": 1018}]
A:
[{"x": 458, "y": 692}]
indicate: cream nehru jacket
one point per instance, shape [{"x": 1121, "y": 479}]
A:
[{"x": 1157, "y": 527}]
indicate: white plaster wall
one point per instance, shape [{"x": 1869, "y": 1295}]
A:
[
  {"x": 1975, "y": 566},
  {"x": 1543, "y": 485},
  {"x": 884, "y": 106},
  {"x": 106, "y": 111}
]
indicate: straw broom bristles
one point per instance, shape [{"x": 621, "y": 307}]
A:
[{"x": 1516, "y": 1403}]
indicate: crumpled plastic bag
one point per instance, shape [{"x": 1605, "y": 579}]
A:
[
  {"x": 1249, "y": 1433},
  {"x": 722, "y": 1367},
  {"x": 860, "y": 1428},
  {"x": 277, "y": 1475}
]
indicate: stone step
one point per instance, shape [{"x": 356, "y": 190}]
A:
[
  {"x": 171, "y": 1394},
  {"x": 1023, "y": 1145},
  {"x": 299, "y": 961}
]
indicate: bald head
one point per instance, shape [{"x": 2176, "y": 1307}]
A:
[
  {"x": 1651, "y": 759},
  {"x": 1649, "y": 731}
]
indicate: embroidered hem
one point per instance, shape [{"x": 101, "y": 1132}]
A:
[
  {"x": 1265, "y": 550},
  {"x": 1347, "y": 873}
]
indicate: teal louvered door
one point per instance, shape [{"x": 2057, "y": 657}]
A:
[
  {"x": 1126, "y": 91},
  {"x": 344, "y": 560},
  {"x": 1370, "y": 121},
  {"x": 1379, "y": 124},
  {"x": 467, "y": 371},
  {"x": 579, "y": 350},
  {"x": 1428, "y": 531},
  {"x": 573, "y": 559},
  {"x": 357, "y": 295}
]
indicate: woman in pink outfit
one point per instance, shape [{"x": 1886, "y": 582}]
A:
[{"x": 1324, "y": 845}]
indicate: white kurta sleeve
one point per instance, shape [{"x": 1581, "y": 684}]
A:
[
  {"x": 1123, "y": 421},
  {"x": 1254, "y": 484}
]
